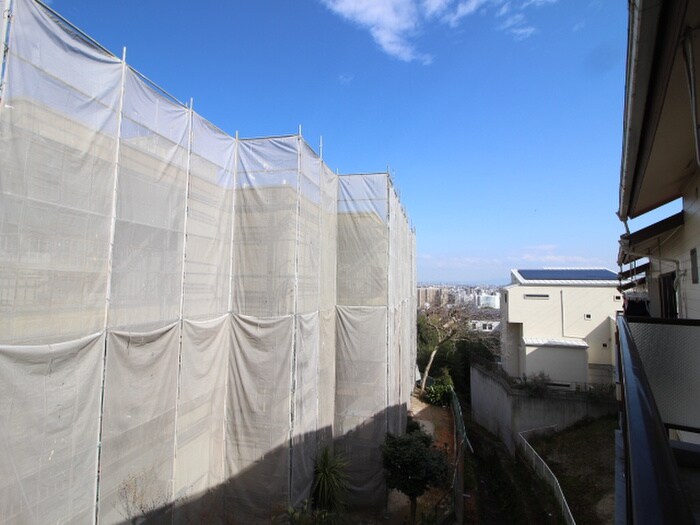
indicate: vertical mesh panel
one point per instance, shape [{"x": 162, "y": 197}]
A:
[
  {"x": 395, "y": 325},
  {"x": 138, "y": 428},
  {"x": 361, "y": 339},
  {"x": 361, "y": 399},
  {"x": 57, "y": 153},
  {"x": 257, "y": 450},
  {"x": 309, "y": 232},
  {"x": 200, "y": 421},
  {"x": 362, "y": 240},
  {"x": 672, "y": 371},
  {"x": 265, "y": 227},
  {"x": 305, "y": 420},
  {"x": 148, "y": 241},
  {"x": 207, "y": 264},
  {"x": 49, "y": 408},
  {"x": 328, "y": 275}
]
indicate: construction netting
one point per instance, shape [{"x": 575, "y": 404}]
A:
[
  {"x": 375, "y": 316},
  {"x": 186, "y": 317}
]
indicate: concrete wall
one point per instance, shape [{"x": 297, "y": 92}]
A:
[{"x": 506, "y": 412}]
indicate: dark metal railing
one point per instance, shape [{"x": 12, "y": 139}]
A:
[{"x": 653, "y": 489}]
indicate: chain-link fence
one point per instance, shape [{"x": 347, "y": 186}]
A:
[{"x": 543, "y": 471}]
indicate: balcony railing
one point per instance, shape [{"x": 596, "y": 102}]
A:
[{"x": 653, "y": 489}]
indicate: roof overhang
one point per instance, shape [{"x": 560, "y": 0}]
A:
[
  {"x": 658, "y": 154},
  {"x": 635, "y": 272},
  {"x": 639, "y": 244},
  {"x": 634, "y": 283},
  {"x": 559, "y": 343},
  {"x": 634, "y": 277}
]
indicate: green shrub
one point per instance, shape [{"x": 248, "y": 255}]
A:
[
  {"x": 537, "y": 384},
  {"x": 412, "y": 465},
  {"x": 601, "y": 392},
  {"x": 412, "y": 425},
  {"x": 440, "y": 392},
  {"x": 305, "y": 515},
  {"x": 330, "y": 483}
]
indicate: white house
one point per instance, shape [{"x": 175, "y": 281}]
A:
[
  {"x": 560, "y": 322},
  {"x": 487, "y": 325}
]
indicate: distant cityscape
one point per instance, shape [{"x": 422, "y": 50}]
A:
[{"x": 482, "y": 296}]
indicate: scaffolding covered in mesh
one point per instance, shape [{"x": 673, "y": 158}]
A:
[{"x": 186, "y": 317}]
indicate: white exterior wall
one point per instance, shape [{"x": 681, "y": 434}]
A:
[
  {"x": 561, "y": 364},
  {"x": 678, "y": 247},
  {"x": 562, "y": 314},
  {"x": 511, "y": 333}
]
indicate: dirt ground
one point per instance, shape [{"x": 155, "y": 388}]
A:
[
  {"x": 583, "y": 459},
  {"x": 438, "y": 422}
]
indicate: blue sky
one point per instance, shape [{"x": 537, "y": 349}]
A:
[{"x": 500, "y": 120}]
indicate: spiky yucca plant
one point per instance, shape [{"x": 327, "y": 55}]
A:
[{"x": 331, "y": 482}]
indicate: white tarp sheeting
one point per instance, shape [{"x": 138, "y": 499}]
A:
[{"x": 186, "y": 318}]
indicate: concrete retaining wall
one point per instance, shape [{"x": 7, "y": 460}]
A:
[{"x": 505, "y": 412}]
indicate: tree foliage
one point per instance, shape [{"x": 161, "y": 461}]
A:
[
  {"x": 412, "y": 465},
  {"x": 456, "y": 354},
  {"x": 440, "y": 392}
]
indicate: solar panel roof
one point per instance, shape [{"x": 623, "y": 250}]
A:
[{"x": 584, "y": 274}]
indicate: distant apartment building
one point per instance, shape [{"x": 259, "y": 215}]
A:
[
  {"x": 489, "y": 300},
  {"x": 484, "y": 325},
  {"x": 458, "y": 295},
  {"x": 430, "y": 296},
  {"x": 560, "y": 322}
]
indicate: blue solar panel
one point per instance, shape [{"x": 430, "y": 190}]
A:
[{"x": 568, "y": 275}]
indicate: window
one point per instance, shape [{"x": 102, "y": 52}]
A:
[
  {"x": 667, "y": 292},
  {"x": 694, "y": 265},
  {"x": 541, "y": 296},
  {"x": 587, "y": 317},
  {"x": 617, "y": 298}
]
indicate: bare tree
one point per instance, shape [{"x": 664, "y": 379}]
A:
[{"x": 448, "y": 325}]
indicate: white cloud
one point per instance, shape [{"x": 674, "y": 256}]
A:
[
  {"x": 518, "y": 26},
  {"x": 394, "y": 24},
  {"x": 435, "y": 7},
  {"x": 495, "y": 267},
  {"x": 554, "y": 259},
  {"x": 521, "y": 33},
  {"x": 542, "y": 247},
  {"x": 390, "y": 22},
  {"x": 346, "y": 78},
  {"x": 513, "y": 21},
  {"x": 464, "y": 8},
  {"x": 549, "y": 254},
  {"x": 538, "y": 3},
  {"x": 503, "y": 10},
  {"x": 578, "y": 26}
]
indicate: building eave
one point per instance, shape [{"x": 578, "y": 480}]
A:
[{"x": 654, "y": 33}]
